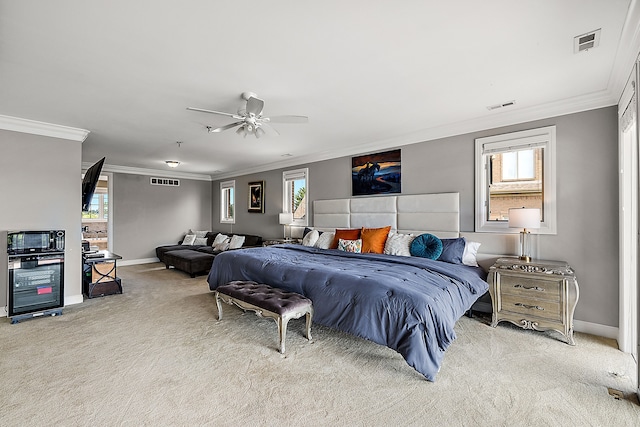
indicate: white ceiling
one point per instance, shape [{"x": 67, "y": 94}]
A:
[{"x": 369, "y": 75}]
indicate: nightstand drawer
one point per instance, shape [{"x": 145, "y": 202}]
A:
[
  {"x": 549, "y": 310},
  {"x": 531, "y": 287}
]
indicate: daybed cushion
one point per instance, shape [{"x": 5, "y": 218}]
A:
[
  {"x": 353, "y": 246},
  {"x": 373, "y": 239},
  {"x": 452, "y": 250},
  {"x": 398, "y": 244},
  {"x": 426, "y": 246},
  {"x": 346, "y": 234},
  {"x": 310, "y": 238}
]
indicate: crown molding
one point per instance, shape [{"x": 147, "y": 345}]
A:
[
  {"x": 149, "y": 172},
  {"x": 628, "y": 49},
  {"x": 33, "y": 127},
  {"x": 492, "y": 120}
]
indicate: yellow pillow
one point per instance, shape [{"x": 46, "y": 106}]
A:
[{"x": 373, "y": 239}]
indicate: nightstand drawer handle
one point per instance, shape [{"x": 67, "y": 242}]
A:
[
  {"x": 537, "y": 307},
  {"x": 534, "y": 288}
]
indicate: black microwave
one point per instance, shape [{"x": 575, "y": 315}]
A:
[{"x": 27, "y": 242}]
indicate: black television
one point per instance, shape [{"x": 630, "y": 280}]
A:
[{"x": 89, "y": 183}]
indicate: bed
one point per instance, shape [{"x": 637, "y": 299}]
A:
[{"x": 409, "y": 304}]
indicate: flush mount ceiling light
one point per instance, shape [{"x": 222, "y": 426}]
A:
[{"x": 172, "y": 163}]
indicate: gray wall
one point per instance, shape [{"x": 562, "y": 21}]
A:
[
  {"x": 146, "y": 216},
  {"x": 40, "y": 190},
  {"x": 587, "y": 191}
]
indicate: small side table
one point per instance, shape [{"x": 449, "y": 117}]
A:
[
  {"x": 538, "y": 295},
  {"x": 99, "y": 274}
]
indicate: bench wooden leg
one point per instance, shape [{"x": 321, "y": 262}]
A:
[
  {"x": 282, "y": 331},
  {"x": 308, "y": 319},
  {"x": 219, "y": 304}
]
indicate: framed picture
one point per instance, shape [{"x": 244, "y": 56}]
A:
[
  {"x": 256, "y": 196},
  {"x": 378, "y": 173}
]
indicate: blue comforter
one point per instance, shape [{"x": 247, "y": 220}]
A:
[{"x": 409, "y": 304}]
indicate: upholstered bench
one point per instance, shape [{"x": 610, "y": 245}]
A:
[
  {"x": 266, "y": 301},
  {"x": 188, "y": 260}
]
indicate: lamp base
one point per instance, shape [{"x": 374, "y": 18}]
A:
[{"x": 525, "y": 258}]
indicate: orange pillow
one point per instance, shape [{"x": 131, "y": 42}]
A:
[
  {"x": 373, "y": 239},
  {"x": 346, "y": 234}
]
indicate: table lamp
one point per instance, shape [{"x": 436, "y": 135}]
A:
[
  {"x": 524, "y": 218},
  {"x": 285, "y": 218}
]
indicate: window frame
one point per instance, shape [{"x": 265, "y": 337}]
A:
[
  {"x": 294, "y": 175},
  {"x": 544, "y": 137},
  {"x": 225, "y": 187},
  {"x": 100, "y": 194}
]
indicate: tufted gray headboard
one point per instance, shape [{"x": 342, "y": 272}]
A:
[{"x": 438, "y": 213}]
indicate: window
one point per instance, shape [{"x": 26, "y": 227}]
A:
[
  {"x": 295, "y": 195},
  {"x": 99, "y": 206},
  {"x": 227, "y": 202},
  {"x": 516, "y": 170}
]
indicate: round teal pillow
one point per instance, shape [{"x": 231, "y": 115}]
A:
[{"x": 426, "y": 246}]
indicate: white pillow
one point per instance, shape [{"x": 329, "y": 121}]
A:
[
  {"x": 200, "y": 241},
  {"x": 222, "y": 246},
  {"x": 311, "y": 238},
  {"x": 189, "y": 239},
  {"x": 398, "y": 244},
  {"x": 469, "y": 254},
  {"x": 198, "y": 233},
  {"x": 219, "y": 239},
  {"x": 236, "y": 242},
  {"x": 325, "y": 240}
]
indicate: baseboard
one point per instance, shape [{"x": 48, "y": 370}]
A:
[
  {"x": 596, "y": 329},
  {"x": 139, "y": 261},
  {"x": 74, "y": 299}
]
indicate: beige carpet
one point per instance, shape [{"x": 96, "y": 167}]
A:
[{"x": 156, "y": 356}]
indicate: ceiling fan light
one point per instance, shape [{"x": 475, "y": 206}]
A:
[
  {"x": 259, "y": 132},
  {"x": 172, "y": 163}
]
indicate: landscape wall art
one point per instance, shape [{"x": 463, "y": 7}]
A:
[{"x": 376, "y": 174}]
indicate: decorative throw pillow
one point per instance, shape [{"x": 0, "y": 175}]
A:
[
  {"x": 426, "y": 246},
  {"x": 189, "y": 239},
  {"x": 346, "y": 234},
  {"x": 310, "y": 238},
  {"x": 398, "y": 244},
  {"x": 470, "y": 253},
  {"x": 452, "y": 250},
  {"x": 201, "y": 241},
  {"x": 236, "y": 242},
  {"x": 373, "y": 239},
  {"x": 219, "y": 239},
  {"x": 324, "y": 241},
  {"x": 222, "y": 246},
  {"x": 354, "y": 246},
  {"x": 199, "y": 233}
]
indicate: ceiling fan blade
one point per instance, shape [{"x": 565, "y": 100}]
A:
[
  {"x": 225, "y": 127},
  {"x": 235, "y": 116},
  {"x": 255, "y": 106},
  {"x": 270, "y": 128},
  {"x": 289, "y": 119}
]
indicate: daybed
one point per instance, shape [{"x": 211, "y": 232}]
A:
[
  {"x": 407, "y": 303},
  {"x": 195, "y": 255}
]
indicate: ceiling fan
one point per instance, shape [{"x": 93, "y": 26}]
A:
[{"x": 250, "y": 120}]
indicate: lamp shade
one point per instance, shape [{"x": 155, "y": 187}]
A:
[
  {"x": 286, "y": 218},
  {"x": 524, "y": 218}
]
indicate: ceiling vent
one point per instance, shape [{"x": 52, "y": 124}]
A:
[
  {"x": 586, "y": 41},
  {"x": 506, "y": 104}
]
